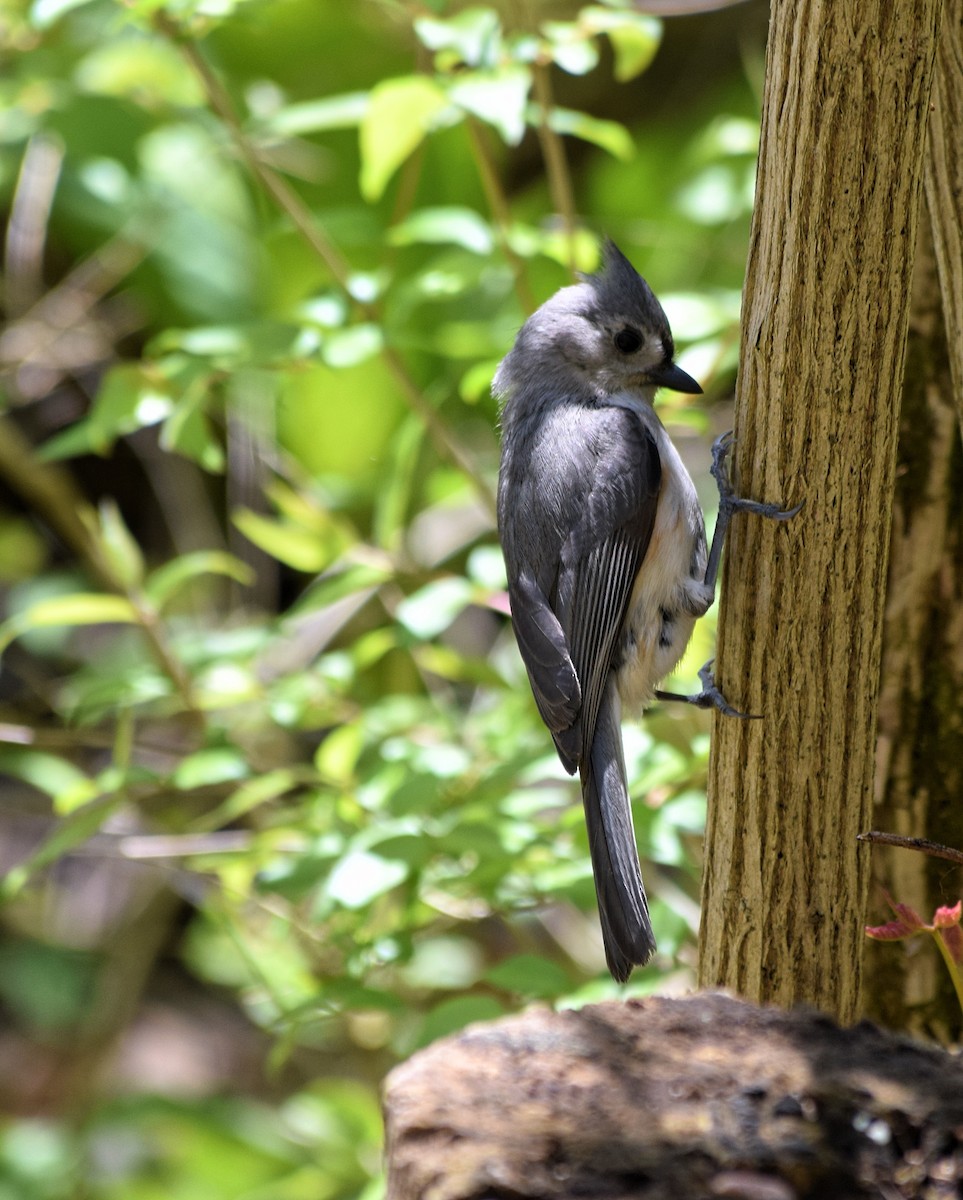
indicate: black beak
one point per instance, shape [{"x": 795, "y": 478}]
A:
[{"x": 671, "y": 376}]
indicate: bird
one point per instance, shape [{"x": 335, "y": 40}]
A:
[{"x": 605, "y": 549}]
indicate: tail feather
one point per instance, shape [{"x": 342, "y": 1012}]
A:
[{"x": 623, "y": 910}]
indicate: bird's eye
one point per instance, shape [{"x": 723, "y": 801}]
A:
[{"x": 628, "y": 340}]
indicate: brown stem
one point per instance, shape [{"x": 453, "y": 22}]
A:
[
  {"x": 923, "y": 845},
  {"x": 500, "y": 210},
  {"x": 556, "y": 164}
]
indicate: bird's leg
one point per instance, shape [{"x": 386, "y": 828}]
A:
[
  {"x": 709, "y": 697},
  {"x": 729, "y": 503}
]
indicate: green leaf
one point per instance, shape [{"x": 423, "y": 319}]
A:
[
  {"x": 349, "y": 347},
  {"x": 129, "y": 398},
  {"x": 431, "y": 609},
  {"x": 204, "y": 767},
  {"x": 44, "y": 13},
  {"x": 300, "y": 548},
  {"x": 164, "y": 583},
  {"x": 188, "y": 430},
  {"x": 609, "y": 135},
  {"x": 47, "y": 772},
  {"x": 474, "y": 35},
  {"x": 401, "y": 112},
  {"x": 529, "y": 976},
  {"x": 360, "y": 877},
  {"x": 497, "y": 97},
  {"x": 250, "y": 795},
  {"x": 313, "y": 116},
  {"x": 338, "y": 583},
  {"x": 460, "y": 226},
  {"x": 147, "y": 71},
  {"x": 452, "y": 1015},
  {"x": 635, "y": 37},
  {"x": 79, "y": 608},
  {"x": 120, "y": 551},
  {"x": 571, "y": 46},
  {"x": 337, "y": 756}
]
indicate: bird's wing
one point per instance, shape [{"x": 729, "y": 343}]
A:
[
  {"x": 603, "y": 553},
  {"x": 570, "y": 590},
  {"x": 545, "y": 652}
]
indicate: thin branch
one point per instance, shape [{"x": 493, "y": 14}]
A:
[
  {"x": 923, "y": 845},
  {"x": 499, "y": 208},
  {"x": 556, "y": 164}
]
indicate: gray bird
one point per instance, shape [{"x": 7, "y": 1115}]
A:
[{"x": 605, "y": 549}]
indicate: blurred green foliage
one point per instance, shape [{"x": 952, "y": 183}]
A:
[{"x": 263, "y": 727}]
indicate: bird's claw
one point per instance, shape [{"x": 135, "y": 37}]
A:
[
  {"x": 709, "y": 697},
  {"x": 728, "y": 500}
]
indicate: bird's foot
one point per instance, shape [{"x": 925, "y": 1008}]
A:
[
  {"x": 709, "y": 697},
  {"x": 729, "y": 502}
]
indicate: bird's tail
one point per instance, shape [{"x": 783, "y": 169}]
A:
[{"x": 623, "y": 911}]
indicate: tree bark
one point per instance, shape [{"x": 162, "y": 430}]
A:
[
  {"x": 943, "y": 177},
  {"x": 919, "y": 757},
  {"x": 920, "y": 745},
  {"x": 824, "y": 329}
]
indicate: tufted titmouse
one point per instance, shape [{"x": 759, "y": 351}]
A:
[{"x": 605, "y": 548}]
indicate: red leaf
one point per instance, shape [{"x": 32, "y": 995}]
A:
[
  {"x": 946, "y": 917},
  {"x": 891, "y": 932},
  {"x": 909, "y": 916}
]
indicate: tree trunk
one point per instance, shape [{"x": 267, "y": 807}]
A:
[
  {"x": 824, "y": 330},
  {"x": 920, "y": 745},
  {"x": 943, "y": 178}
]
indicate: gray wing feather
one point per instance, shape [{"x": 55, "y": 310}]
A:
[
  {"x": 544, "y": 649},
  {"x": 601, "y": 560},
  {"x": 574, "y": 537}
]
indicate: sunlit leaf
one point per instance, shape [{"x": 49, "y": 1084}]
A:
[
  {"x": 497, "y": 97},
  {"x": 608, "y": 135},
  {"x": 205, "y": 767},
  {"x": 349, "y": 347},
  {"x": 46, "y": 12},
  {"x": 337, "y": 756},
  {"x": 313, "y": 116},
  {"x": 49, "y": 773},
  {"x": 571, "y": 46},
  {"x": 461, "y": 226},
  {"x": 80, "y": 608},
  {"x": 432, "y": 609},
  {"x": 635, "y": 37},
  {"x": 400, "y": 114},
  {"x": 474, "y": 35},
  {"x": 292, "y": 544},
  {"x": 360, "y": 877},
  {"x": 166, "y": 581}
]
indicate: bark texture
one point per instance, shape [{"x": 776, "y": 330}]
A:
[
  {"x": 920, "y": 746},
  {"x": 944, "y": 183},
  {"x": 674, "y": 1100},
  {"x": 824, "y": 328}
]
